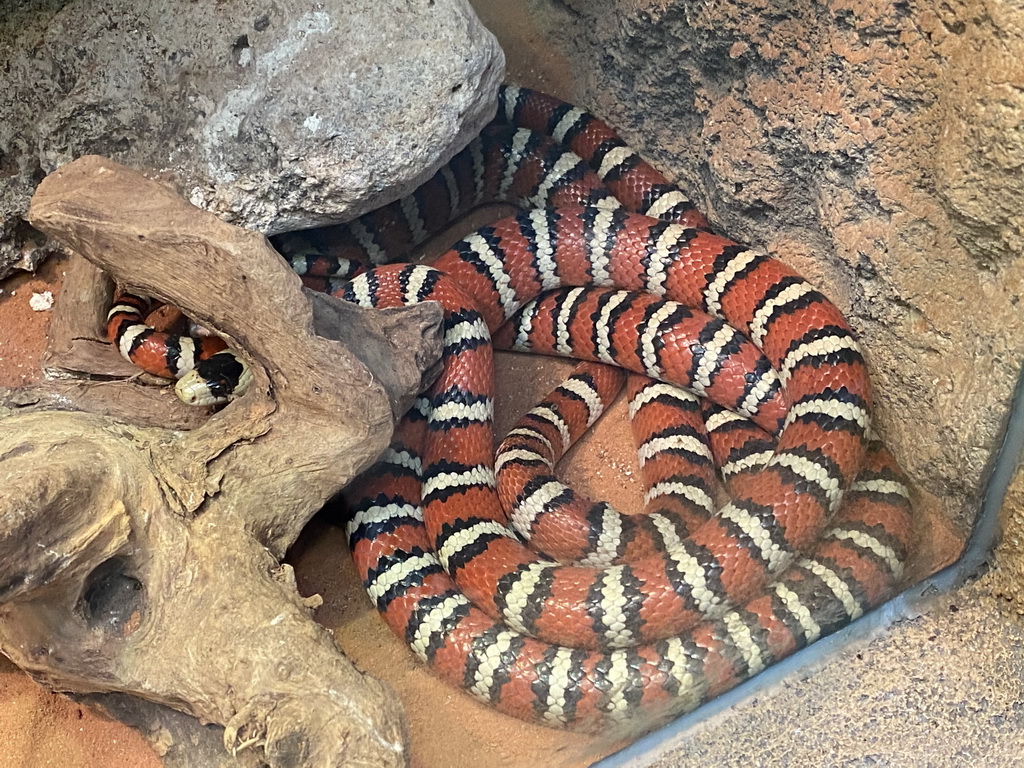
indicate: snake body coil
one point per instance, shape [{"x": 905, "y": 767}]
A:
[{"x": 614, "y": 615}]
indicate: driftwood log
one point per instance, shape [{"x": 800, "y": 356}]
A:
[{"x": 141, "y": 545}]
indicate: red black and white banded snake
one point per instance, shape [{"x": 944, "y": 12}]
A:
[{"x": 658, "y": 615}]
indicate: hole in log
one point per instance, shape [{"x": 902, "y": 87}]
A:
[{"x": 112, "y": 600}]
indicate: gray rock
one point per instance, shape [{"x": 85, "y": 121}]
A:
[{"x": 275, "y": 116}]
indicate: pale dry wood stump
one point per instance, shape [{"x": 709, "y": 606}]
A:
[{"x": 140, "y": 540}]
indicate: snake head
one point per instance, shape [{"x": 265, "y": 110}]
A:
[{"x": 214, "y": 381}]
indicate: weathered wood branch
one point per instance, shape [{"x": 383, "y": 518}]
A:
[
  {"x": 141, "y": 556},
  {"x": 232, "y": 281}
]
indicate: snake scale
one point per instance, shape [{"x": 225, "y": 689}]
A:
[{"x": 609, "y": 616}]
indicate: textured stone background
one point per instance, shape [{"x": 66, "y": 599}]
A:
[
  {"x": 877, "y": 148},
  {"x": 275, "y": 116}
]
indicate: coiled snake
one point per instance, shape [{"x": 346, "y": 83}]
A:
[{"x": 611, "y": 616}]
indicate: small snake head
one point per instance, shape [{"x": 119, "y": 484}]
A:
[{"x": 214, "y": 381}]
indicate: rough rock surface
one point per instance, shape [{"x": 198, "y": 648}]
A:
[
  {"x": 274, "y": 116},
  {"x": 1007, "y": 580},
  {"x": 874, "y": 146}
]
